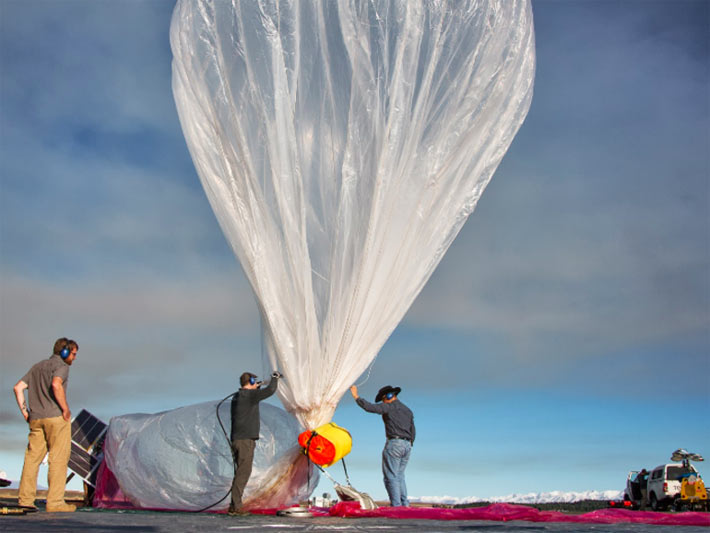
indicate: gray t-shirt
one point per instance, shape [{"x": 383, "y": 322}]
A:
[{"x": 40, "y": 396}]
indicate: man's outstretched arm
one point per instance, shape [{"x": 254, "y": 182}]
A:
[{"x": 367, "y": 406}]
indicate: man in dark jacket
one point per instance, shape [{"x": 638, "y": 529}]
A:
[
  {"x": 642, "y": 479},
  {"x": 245, "y": 430},
  {"x": 400, "y": 432}
]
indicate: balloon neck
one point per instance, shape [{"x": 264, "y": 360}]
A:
[{"x": 314, "y": 416}]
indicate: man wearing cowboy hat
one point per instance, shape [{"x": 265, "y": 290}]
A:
[{"x": 400, "y": 432}]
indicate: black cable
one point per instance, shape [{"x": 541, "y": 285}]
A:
[
  {"x": 347, "y": 477},
  {"x": 229, "y": 442},
  {"x": 307, "y": 451}
]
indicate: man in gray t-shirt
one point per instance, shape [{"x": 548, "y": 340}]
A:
[{"x": 47, "y": 413}]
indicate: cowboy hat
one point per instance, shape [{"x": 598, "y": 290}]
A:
[{"x": 386, "y": 389}]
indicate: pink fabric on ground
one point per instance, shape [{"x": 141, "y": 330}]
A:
[
  {"x": 108, "y": 494},
  {"x": 504, "y": 512}
]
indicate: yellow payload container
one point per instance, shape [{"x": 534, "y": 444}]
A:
[
  {"x": 326, "y": 444},
  {"x": 692, "y": 488}
]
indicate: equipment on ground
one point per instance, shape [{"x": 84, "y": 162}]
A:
[
  {"x": 295, "y": 512},
  {"x": 87, "y": 440},
  {"x": 349, "y": 493},
  {"x": 16, "y": 510},
  {"x": 693, "y": 495},
  {"x": 326, "y": 445}
]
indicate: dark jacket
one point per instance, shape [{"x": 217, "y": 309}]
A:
[
  {"x": 245, "y": 410},
  {"x": 398, "y": 418}
]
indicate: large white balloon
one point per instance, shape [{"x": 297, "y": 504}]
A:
[{"x": 342, "y": 145}]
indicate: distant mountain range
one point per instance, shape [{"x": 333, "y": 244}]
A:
[{"x": 530, "y": 497}]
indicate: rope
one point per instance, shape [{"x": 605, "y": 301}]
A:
[
  {"x": 369, "y": 369},
  {"x": 307, "y": 451},
  {"x": 347, "y": 477}
]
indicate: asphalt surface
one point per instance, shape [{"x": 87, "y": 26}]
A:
[
  {"x": 111, "y": 521},
  {"x": 89, "y": 519}
]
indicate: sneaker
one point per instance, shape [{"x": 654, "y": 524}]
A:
[{"x": 61, "y": 508}]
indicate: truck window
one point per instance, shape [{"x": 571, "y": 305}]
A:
[{"x": 676, "y": 472}]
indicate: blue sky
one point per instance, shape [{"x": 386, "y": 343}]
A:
[{"x": 563, "y": 340}]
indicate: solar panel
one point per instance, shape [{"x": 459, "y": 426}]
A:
[
  {"x": 84, "y": 464},
  {"x": 86, "y": 429},
  {"x": 87, "y": 433}
]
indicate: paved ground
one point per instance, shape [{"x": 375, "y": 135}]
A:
[
  {"x": 104, "y": 521},
  {"x": 87, "y": 519}
]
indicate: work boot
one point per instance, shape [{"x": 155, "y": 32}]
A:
[
  {"x": 28, "y": 508},
  {"x": 29, "y": 504},
  {"x": 61, "y": 508}
]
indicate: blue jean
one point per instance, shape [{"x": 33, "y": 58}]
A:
[{"x": 394, "y": 460}]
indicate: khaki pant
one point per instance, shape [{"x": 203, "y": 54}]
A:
[{"x": 51, "y": 435}]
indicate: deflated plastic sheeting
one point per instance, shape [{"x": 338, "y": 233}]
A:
[
  {"x": 181, "y": 459},
  {"x": 506, "y": 512},
  {"x": 342, "y": 146}
]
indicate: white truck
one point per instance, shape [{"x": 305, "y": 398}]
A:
[
  {"x": 664, "y": 484},
  {"x": 676, "y": 485}
]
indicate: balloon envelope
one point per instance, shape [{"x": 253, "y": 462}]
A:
[
  {"x": 181, "y": 459},
  {"x": 342, "y": 145}
]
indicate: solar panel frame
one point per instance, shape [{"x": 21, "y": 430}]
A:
[{"x": 88, "y": 434}]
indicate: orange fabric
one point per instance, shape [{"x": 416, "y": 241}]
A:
[{"x": 320, "y": 451}]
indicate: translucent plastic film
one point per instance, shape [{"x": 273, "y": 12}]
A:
[
  {"x": 181, "y": 459},
  {"x": 342, "y": 145}
]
